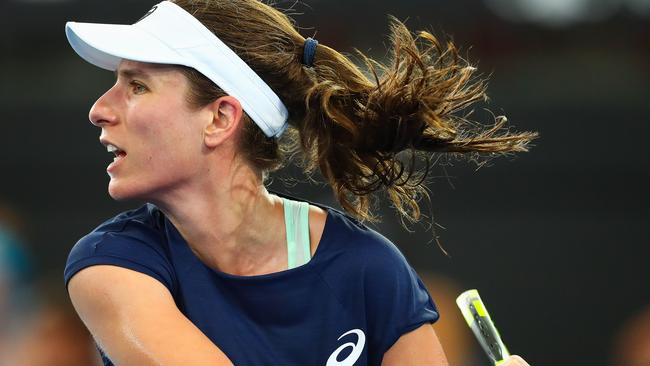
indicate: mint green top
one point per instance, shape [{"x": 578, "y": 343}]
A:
[{"x": 296, "y": 221}]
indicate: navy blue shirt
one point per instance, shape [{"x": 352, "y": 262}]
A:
[{"x": 349, "y": 304}]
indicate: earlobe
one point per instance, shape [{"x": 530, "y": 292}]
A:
[{"x": 226, "y": 116}]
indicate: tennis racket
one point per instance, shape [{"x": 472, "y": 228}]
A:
[{"x": 479, "y": 321}]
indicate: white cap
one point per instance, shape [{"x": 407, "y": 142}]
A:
[{"x": 168, "y": 34}]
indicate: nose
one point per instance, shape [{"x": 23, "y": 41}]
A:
[{"x": 103, "y": 111}]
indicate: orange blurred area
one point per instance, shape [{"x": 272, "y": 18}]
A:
[
  {"x": 632, "y": 343},
  {"x": 452, "y": 330}
]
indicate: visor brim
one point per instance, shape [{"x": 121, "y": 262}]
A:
[{"x": 106, "y": 45}]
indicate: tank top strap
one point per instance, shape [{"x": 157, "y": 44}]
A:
[{"x": 296, "y": 221}]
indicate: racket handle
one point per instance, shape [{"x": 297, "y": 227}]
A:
[{"x": 479, "y": 321}]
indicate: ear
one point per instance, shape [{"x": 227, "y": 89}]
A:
[{"x": 227, "y": 116}]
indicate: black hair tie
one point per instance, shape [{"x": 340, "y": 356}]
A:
[{"x": 309, "y": 52}]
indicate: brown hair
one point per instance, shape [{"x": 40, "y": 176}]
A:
[{"x": 364, "y": 134}]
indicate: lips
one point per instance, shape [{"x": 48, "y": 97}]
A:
[{"x": 118, "y": 152}]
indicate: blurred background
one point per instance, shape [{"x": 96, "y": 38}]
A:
[{"x": 555, "y": 240}]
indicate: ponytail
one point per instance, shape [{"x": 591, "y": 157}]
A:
[{"x": 365, "y": 132}]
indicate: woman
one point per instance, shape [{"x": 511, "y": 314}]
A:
[{"x": 215, "y": 269}]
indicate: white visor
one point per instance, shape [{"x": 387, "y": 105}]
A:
[{"x": 168, "y": 34}]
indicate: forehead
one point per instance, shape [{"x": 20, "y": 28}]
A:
[{"x": 150, "y": 72}]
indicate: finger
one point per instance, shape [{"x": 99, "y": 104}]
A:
[{"x": 515, "y": 361}]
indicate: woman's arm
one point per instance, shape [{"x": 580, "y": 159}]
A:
[
  {"x": 418, "y": 347},
  {"x": 422, "y": 347},
  {"x": 134, "y": 319}
]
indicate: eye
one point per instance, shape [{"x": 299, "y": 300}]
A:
[{"x": 137, "y": 87}]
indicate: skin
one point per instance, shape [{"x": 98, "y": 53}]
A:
[{"x": 185, "y": 161}]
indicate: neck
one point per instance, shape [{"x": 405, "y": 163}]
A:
[{"x": 227, "y": 222}]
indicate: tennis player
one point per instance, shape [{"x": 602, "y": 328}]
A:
[{"x": 212, "y": 96}]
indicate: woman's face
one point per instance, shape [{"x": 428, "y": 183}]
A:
[{"x": 158, "y": 137}]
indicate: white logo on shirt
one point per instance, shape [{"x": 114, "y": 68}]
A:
[{"x": 357, "y": 348}]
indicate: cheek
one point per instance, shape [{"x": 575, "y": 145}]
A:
[{"x": 169, "y": 140}]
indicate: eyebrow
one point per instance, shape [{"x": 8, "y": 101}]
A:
[{"x": 131, "y": 73}]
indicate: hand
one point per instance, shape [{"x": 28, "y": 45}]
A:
[{"x": 515, "y": 361}]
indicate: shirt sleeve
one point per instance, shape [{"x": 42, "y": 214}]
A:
[
  {"x": 133, "y": 246},
  {"x": 398, "y": 301}
]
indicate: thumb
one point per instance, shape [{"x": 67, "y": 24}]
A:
[{"x": 515, "y": 361}]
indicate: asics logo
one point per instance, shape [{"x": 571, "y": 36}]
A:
[{"x": 357, "y": 349}]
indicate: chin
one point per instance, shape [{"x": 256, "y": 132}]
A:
[
  {"x": 118, "y": 195},
  {"x": 120, "y": 191}
]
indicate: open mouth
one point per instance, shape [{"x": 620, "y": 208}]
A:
[{"x": 119, "y": 154}]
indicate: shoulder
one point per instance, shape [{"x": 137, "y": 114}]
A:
[
  {"x": 358, "y": 258},
  {"x": 137, "y": 225},
  {"x": 361, "y": 243},
  {"x": 133, "y": 239},
  {"x": 146, "y": 218},
  {"x": 366, "y": 264}
]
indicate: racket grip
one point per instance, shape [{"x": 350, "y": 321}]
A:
[{"x": 479, "y": 321}]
